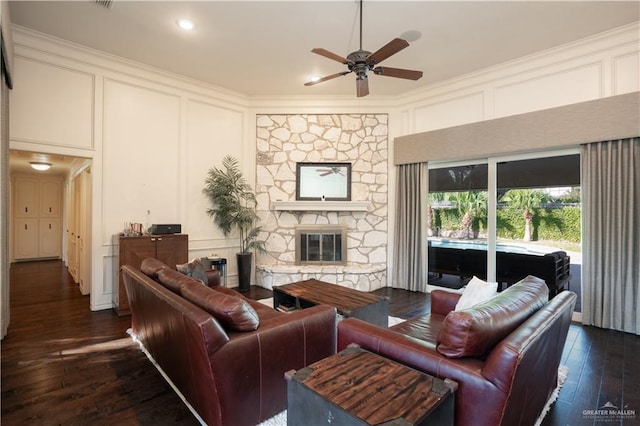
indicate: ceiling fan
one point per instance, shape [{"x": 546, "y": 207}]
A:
[
  {"x": 326, "y": 171},
  {"x": 361, "y": 62}
]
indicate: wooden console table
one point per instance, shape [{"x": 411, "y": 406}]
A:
[
  {"x": 357, "y": 387},
  {"x": 172, "y": 249}
]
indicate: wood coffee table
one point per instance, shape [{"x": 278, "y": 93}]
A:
[
  {"x": 347, "y": 301},
  {"x": 357, "y": 387}
]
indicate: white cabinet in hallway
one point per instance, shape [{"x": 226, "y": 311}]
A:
[
  {"x": 49, "y": 237},
  {"x": 26, "y": 238},
  {"x": 27, "y": 191},
  {"x": 37, "y": 217},
  {"x": 50, "y": 199}
]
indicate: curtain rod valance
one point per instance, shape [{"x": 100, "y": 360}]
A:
[{"x": 615, "y": 117}]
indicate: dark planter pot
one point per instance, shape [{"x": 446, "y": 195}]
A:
[{"x": 244, "y": 270}]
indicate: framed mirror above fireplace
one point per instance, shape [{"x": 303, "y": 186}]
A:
[{"x": 323, "y": 181}]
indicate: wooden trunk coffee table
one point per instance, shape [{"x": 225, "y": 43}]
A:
[
  {"x": 347, "y": 301},
  {"x": 357, "y": 387}
]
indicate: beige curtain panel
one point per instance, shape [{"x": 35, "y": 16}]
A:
[
  {"x": 410, "y": 254},
  {"x": 611, "y": 234}
]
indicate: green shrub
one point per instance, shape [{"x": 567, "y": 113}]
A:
[{"x": 552, "y": 224}]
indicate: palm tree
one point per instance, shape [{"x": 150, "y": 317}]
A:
[
  {"x": 526, "y": 200},
  {"x": 471, "y": 205},
  {"x": 435, "y": 199},
  {"x": 233, "y": 204}
]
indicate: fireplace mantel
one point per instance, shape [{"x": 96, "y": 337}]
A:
[{"x": 327, "y": 206}]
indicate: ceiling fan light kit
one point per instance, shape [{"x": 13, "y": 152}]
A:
[{"x": 361, "y": 62}]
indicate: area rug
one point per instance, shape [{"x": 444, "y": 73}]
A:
[
  {"x": 563, "y": 373},
  {"x": 280, "y": 419}
]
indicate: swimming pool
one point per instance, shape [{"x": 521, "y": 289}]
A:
[{"x": 482, "y": 245}]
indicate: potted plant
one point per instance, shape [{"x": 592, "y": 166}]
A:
[{"x": 234, "y": 207}]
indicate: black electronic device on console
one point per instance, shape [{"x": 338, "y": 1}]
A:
[{"x": 160, "y": 229}]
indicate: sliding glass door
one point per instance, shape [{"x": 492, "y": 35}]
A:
[
  {"x": 498, "y": 218},
  {"x": 538, "y": 220},
  {"x": 457, "y": 223}
]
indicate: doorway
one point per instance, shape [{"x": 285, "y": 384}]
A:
[{"x": 70, "y": 241}]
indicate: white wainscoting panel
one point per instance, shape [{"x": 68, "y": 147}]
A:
[
  {"x": 583, "y": 83},
  {"x": 211, "y": 133},
  {"x": 58, "y": 99},
  {"x": 626, "y": 73},
  {"x": 450, "y": 112},
  {"x": 140, "y": 156}
]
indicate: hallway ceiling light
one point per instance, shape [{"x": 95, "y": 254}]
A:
[
  {"x": 40, "y": 165},
  {"x": 186, "y": 24}
]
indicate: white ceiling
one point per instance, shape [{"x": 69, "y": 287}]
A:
[{"x": 262, "y": 48}]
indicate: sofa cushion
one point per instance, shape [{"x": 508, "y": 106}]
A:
[
  {"x": 475, "y": 331},
  {"x": 232, "y": 312},
  {"x": 150, "y": 267},
  {"x": 194, "y": 269},
  {"x": 476, "y": 291},
  {"x": 172, "y": 279}
]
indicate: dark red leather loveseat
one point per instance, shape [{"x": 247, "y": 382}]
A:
[
  {"x": 504, "y": 354},
  {"x": 229, "y": 366}
]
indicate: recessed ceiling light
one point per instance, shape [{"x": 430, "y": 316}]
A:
[
  {"x": 186, "y": 24},
  {"x": 40, "y": 165},
  {"x": 314, "y": 78}
]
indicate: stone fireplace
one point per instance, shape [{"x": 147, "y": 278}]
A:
[{"x": 283, "y": 140}]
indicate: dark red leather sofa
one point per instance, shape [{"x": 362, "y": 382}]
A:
[
  {"x": 228, "y": 365},
  {"x": 503, "y": 353}
]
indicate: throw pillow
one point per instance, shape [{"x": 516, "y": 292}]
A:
[
  {"x": 477, "y": 291},
  {"x": 194, "y": 269},
  {"x": 232, "y": 312}
]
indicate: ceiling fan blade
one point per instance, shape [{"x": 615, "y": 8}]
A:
[
  {"x": 329, "y": 77},
  {"x": 391, "y": 48},
  {"x": 330, "y": 55},
  {"x": 398, "y": 72},
  {"x": 362, "y": 86}
]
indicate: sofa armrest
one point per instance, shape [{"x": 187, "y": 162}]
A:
[
  {"x": 443, "y": 302},
  {"x": 389, "y": 343},
  {"x": 474, "y": 390},
  {"x": 213, "y": 277},
  {"x": 407, "y": 350},
  {"x": 249, "y": 370}
]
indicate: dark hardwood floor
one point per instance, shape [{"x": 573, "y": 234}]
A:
[{"x": 65, "y": 365}]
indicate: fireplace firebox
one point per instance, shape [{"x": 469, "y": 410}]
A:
[{"x": 321, "y": 245}]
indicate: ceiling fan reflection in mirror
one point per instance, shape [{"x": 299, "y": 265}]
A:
[
  {"x": 326, "y": 171},
  {"x": 361, "y": 62}
]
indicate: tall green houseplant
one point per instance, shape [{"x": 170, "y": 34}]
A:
[{"x": 233, "y": 206}]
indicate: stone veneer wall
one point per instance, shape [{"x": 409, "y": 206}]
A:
[{"x": 361, "y": 139}]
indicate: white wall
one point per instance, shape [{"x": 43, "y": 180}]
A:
[
  {"x": 152, "y": 135},
  {"x": 592, "y": 68}
]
